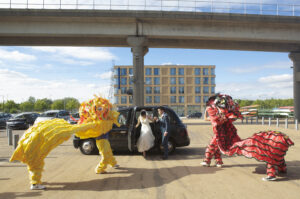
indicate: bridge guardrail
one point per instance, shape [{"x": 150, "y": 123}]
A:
[{"x": 213, "y": 6}]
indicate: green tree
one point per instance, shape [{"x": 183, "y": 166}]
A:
[
  {"x": 58, "y": 104},
  {"x": 10, "y": 105},
  {"x": 72, "y": 104},
  {"x": 26, "y": 106},
  {"x": 42, "y": 104}
]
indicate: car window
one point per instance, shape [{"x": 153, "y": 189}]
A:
[
  {"x": 150, "y": 113},
  {"x": 20, "y": 116},
  {"x": 49, "y": 114},
  {"x": 64, "y": 113},
  {"x": 123, "y": 117}
]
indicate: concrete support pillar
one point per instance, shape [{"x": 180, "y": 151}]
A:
[
  {"x": 295, "y": 57},
  {"x": 138, "y": 49}
]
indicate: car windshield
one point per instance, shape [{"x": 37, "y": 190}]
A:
[
  {"x": 75, "y": 115},
  {"x": 20, "y": 116},
  {"x": 49, "y": 114}
]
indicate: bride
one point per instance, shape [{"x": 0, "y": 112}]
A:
[{"x": 146, "y": 139}]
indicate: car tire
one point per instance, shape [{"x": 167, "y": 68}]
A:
[
  {"x": 171, "y": 144},
  {"x": 88, "y": 147}
]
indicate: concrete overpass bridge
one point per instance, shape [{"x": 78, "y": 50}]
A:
[{"x": 141, "y": 30}]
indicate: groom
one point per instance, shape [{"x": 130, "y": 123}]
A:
[{"x": 165, "y": 130}]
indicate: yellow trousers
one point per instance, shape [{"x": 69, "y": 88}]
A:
[
  {"x": 106, "y": 155},
  {"x": 35, "y": 173}
]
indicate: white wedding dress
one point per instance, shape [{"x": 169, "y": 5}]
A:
[{"x": 146, "y": 139}]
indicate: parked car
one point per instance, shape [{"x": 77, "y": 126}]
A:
[
  {"x": 3, "y": 119},
  {"x": 49, "y": 115},
  {"x": 74, "y": 119},
  {"x": 195, "y": 115},
  {"x": 22, "y": 120},
  {"x": 125, "y": 137}
]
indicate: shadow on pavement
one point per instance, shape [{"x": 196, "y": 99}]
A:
[
  {"x": 12, "y": 195},
  {"x": 157, "y": 178}
]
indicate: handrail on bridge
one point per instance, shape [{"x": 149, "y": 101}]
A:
[{"x": 219, "y": 6}]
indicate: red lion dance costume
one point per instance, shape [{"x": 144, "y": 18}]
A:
[{"x": 266, "y": 146}]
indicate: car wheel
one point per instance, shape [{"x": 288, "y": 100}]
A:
[
  {"x": 88, "y": 147},
  {"x": 171, "y": 146}
]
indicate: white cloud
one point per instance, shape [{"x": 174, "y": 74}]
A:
[
  {"x": 275, "y": 86},
  {"x": 104, "y": 76},
  {"x": 253, "y": 69},
  {"x": 16, "y": 56},
  {"x": 167, "y": 63},
  {"x": 21, "y": 86},
  {"x": 85, "y": 53}
]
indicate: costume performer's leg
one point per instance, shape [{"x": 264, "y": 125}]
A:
[
  {"x": 35, "y": 173},
  {"x": 282, "y": 168},
  {"x": 106, "y": 155},
  {"x": 213, "y": 150},
  {"x": 271, "y": 170}
]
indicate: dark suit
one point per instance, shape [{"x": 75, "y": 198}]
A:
[{"x": 165, "y": 127}]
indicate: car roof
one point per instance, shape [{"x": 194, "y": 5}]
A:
[{"x": 141, "y": 107}]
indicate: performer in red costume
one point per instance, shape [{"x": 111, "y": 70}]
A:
[{"x": 268, "y": 146}]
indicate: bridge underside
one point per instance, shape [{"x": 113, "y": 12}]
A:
[{"x": 151, "y": 43}]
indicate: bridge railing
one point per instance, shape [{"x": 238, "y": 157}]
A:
[{"x": 262, "y": 7}]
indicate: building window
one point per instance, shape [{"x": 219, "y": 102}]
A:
[
  {"x": 180, "y": 71},
  {"x": 181, "y": 90},
  {"x": 212, "y": 71},
  {"x": 173, "y": 80},
  {"x": 148, "y": 99},
  {"x": 130, "y": 99},
  {"x": 212, "y": 90},
  {"x": 212, "y": 80},
  {"x": 156, "y": 99},
  {"x": 173, "y": 99},
  {"x": 205, "y": 71},
  {"x": 181, "y": 99},
  {"x": 181, "y": 80},
  {"x": 156, "y": 90},
  {"x": 116, "y": 100},
  {"x": 130, "y": 79},
  {"x": 156, "y": 71},
  {"x": 148, "y": 80},
  {"x": 148, "y": 90},
  {"x": 116, "y": 90},
  {"x": 156, "y": 80},
  {"x": 206, "y": 89},
  {"x": 123, "y": 71},
  {"x": 205, "y": 80},
  {"x": 197, "y": 71},
  {"x": 130, "y": 71},
  {"x": 197, "y": 89},
  {"x": 123, "y": 99},
  {"x": 173, "y": 90},
  {"x": 172, "y": 71},
  {"x": 205, "y": 99},
  {"x": 148, "y": 71},
  {"x": 123, "y": 90},
  {"x": 197, "y": 80},
  {"x": 123, "y": 81},
  {"x": 197, "y": 99}
]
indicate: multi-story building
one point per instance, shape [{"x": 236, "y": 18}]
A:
[{"x": 184, "y": 88}]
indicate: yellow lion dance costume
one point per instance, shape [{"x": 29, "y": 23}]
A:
[{"x": 96, "y": 119}]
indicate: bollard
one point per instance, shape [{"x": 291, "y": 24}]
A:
[
  {"x": 269, "y": 121},
  {"x": 9, "y": 137},
  {"x": 7, "y": 129},
  {"x": 277, "y": 122},
  {"x": 256, "y": 120},
  {"x": 263, "y": 121},
  {"x": 251, "y": 120},
  {"x": 286, "y": 123},
  {"x": 16, "y": 140},
  {"x": 243, "y": 121},
  {"x": 246, "y": 120},
  {"x": 296, "y": 125}
]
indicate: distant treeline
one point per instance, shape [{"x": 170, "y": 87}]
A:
[
  {"x": 268, "y": 103},
  {"x": 40, "y": 105}
]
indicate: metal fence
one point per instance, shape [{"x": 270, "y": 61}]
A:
[{"x": 262, "y": 7}]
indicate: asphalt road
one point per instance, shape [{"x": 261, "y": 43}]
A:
[{"x": 69, "y": 174}]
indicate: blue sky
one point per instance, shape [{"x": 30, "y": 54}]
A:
[{"x": 80, "y": 72}]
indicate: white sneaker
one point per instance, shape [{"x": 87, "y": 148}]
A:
[
  {"x": 205, "y": 164},
  {"x": 219, "y": 165},
  {"x": 37, "y": 187},
  {"x": 269, "y": 178},
  {"x": 116, "y": 166}
]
